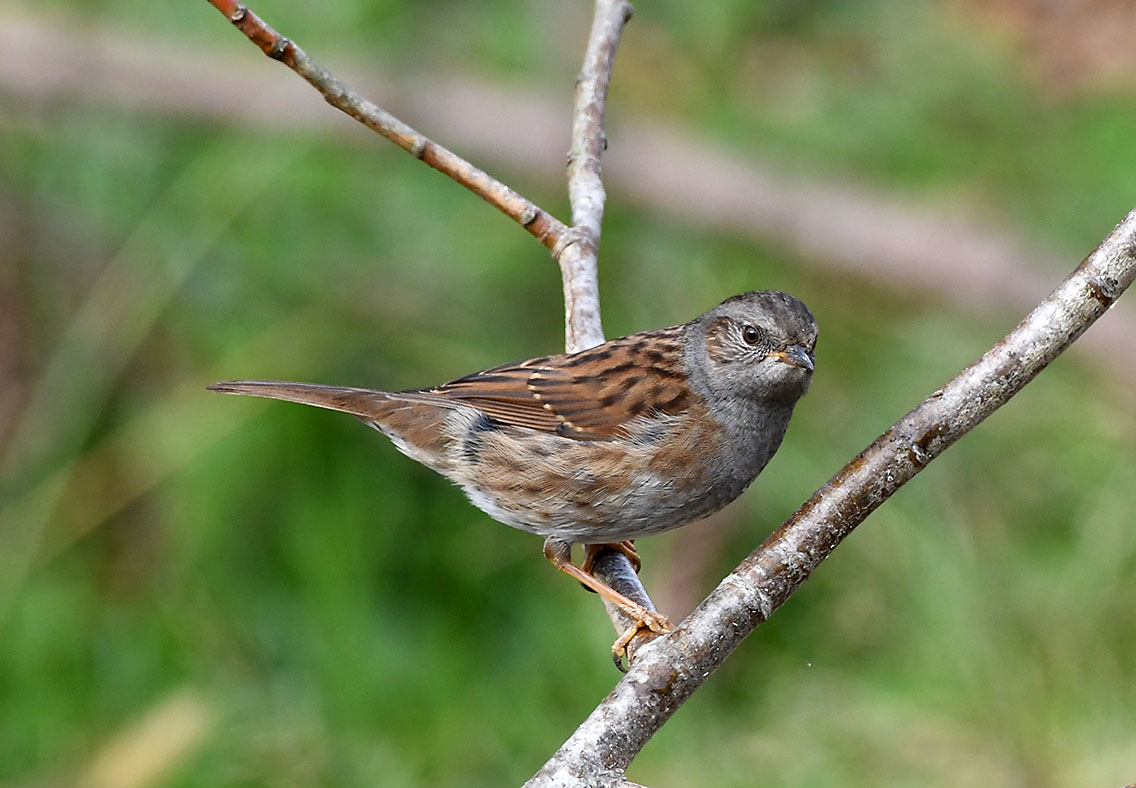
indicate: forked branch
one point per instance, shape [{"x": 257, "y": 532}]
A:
[{"x": 574, "y": 248}]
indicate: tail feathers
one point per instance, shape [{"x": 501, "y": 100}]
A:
[{"x": 364, "y": 403}]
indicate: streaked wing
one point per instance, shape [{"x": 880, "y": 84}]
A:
[{"x": 589, "y": 395}]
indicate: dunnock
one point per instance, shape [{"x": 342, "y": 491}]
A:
[{"x": 639, "y": 435}]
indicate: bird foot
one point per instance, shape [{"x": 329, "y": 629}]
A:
[
  {"x": 656, "y": 624},
  {"x": 560, "y": 553}
]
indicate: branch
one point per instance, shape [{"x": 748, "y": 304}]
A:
[
  {"x": 543, "y": 226},
  {"x": 669, "y": 670},
  {"x": 578, "y": 251}
]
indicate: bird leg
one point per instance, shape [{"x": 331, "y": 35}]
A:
[
  {"x": 627, "y": 547},
  {"x": 559, "y": 553}
]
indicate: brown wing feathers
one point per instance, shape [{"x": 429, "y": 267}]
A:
[
  {"x": 587, "y": 395},
  {"x": 502, "y": 393}
]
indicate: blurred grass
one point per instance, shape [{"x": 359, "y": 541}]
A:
[{"x": 340, "y": 616}]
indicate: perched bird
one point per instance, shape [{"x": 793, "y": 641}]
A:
[{"x": 636, "y": 436}]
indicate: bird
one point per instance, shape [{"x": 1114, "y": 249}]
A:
[{"x": 636, "y": 436}]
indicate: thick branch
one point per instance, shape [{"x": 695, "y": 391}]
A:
[
  {"x": 546, "y": 228},
  {"x": 669, "y": 670}
]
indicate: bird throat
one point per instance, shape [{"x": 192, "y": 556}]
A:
[{"x": 755, "y": 431}]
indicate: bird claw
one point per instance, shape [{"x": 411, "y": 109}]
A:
[{"x": 655, "y": 623}]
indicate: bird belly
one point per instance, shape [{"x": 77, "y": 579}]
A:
[
  {"x": 591, "y": 491},
  {"x": 573, "y": 512}
]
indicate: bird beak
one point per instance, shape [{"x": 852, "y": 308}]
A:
[{"x": 794, "y": 355}]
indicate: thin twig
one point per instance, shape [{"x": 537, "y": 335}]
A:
[
  {"x": 670, "y": 669},
  {"x": 578, "y": 251},
  {"x": 543, "y": 226}
]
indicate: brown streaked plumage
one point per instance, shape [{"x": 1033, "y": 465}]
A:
[{"x": 640, "y": 435}]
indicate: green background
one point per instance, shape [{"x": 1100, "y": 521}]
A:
[{"x": 258, "y": 594}]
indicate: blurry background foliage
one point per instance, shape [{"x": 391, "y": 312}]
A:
[{"x": 206, "y": 591}]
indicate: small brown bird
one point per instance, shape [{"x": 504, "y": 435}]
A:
[{"x": 636, "y": 436}]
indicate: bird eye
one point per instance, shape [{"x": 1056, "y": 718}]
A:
[{"x": 751, "y": 335}]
